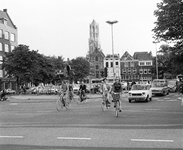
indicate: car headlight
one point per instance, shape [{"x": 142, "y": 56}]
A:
[
  {"x": 143, "y": 93},
  {"x": 130, "y": 94}
]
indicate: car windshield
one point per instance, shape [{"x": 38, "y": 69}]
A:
[
  {"x": 173, "y": 82},
  {"x": 139, "y": 87},
  {"x": 158, "y": 84}
]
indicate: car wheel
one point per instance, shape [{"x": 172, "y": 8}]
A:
[
  {"x": 129, "y": 100},
  {"x": 147, "y": 98},
  {"x": 150, "y": 99}
]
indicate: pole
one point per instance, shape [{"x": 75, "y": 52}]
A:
[
  {"x": 113, "y": 51},
  {"x": 156, "y": 61},
  {"x": 111, "y": 23}
]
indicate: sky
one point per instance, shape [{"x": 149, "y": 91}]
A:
[{"x": 61, "y": 27}]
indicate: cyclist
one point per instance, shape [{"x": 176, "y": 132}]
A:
[
  {"x": 117, "y": 89},
  {"x": 180, "y": 89},
  {"x": 105, "y": 91},
  {"x": 71, "y": 95},
  {"x": 64, "y": 90},
  {"x": 82, "y": 90}
]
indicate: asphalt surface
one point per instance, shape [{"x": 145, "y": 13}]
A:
[{"x": 32, "y": 122}]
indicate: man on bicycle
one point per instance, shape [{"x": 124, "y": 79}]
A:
[
  {"x": 116, "y": 91},
  {"x": 180, "y": 89},
  {"x": 82, "y": 90},
  {"x": 105, "y": 91}
]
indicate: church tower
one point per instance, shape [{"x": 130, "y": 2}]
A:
[{"x": 94, "y": 37}]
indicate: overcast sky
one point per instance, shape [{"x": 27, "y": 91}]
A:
[{"x": 61, "y": 27}]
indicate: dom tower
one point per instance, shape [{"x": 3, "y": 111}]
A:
[
  {"x": 94, "y": 37},
  {"x": 95, "y": 55}
]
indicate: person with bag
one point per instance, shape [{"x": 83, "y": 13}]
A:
[{"x": 117, "y": 91}]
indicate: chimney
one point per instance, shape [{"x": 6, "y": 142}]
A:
[{"x": 5, "y": 10}]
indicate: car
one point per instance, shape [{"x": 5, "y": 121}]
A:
[
  {"x": 76, "y": 89},
  {"x": 172, "y": 87},
  {"x": 10, "y": 91},
  {"x": 140, "y": 92},
  {"x": 160, "y": 87}
]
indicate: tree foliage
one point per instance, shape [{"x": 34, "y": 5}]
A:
[
  {"x": 27, "y": 66},
  {"x": 81, "y": 68},
  {"x": 169, "y": 28}
]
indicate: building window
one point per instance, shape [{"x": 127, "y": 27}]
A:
[
  {"x": 107, "y": 64},
  {"x": 1, "y": 73},
  {"x": 97, "y": 67},
  {"x": 1, "y": 47},
  {"x": 148, "y": 64},
  {"x": 1, "y": 59},
  {"x": 124, "y": 71},
  {"x": 6, "y": 48},
  {"x": 129, "y": 70},
  {"x": 145, "y": 71},
  {"x": 131, "y": 64},
  {"x": 126, "y": 64},
  {"x": 142, "y": 63},
  {"x": 141, "y": 71},
  {"x": 12, "y": 48},
  {"x": 149, "y": 71},
  {"x": 111, "y": 64},
  {"x": 1, "y": 33},
  {"x": 134, "y": 70},
  {"x": 12, "y": 37},
  {"x": 96, "y": 58},
  {"x": 6, "y": 35},
  {"x": 117, "y": 63}
]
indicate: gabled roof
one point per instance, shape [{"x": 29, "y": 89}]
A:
[
  {"x": 127, "y": 56},
  {"x": 142, "y": 55},
  {"x": 4, "y": 15},
  {"x": 97, "y": 51}
]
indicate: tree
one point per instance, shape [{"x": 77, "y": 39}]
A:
[
  {"x": 169, "y": 28},
  {"x": 27, "y": 66},
  {"x": 81, "y": 68}
]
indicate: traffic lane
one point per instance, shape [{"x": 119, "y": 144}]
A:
[
  {"x": 90, "y": 113},
  {"x": 93, "y": 138}
]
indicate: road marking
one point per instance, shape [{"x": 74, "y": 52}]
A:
[
  {"x": 150, "y": 140},
  {"x": 167, "y": 98},
  {"x": 160, "y": 100},
  {"x": 13, "y": 104},
  {"x": 72, "y": 138},
  {"x": 172, "y": 100},
  {"x": 152, "y": 109},
  {"x": 11, "y": 136}
]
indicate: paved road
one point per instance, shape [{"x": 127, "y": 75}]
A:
[{"x": 32, "y": 122}]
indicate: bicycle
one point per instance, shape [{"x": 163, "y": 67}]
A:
[
  {"x": 82, "y": 96},
  {"x": 104, "y": 104},
  {"x": 62, "y": 102},
  {"x": 116, "y": 99}
]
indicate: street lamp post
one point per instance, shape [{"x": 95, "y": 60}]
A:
[
  {"x": 111, "y": 23},
  {"x": 156, "y": 59}
]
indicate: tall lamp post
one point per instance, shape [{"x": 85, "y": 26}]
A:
[
  {"x": 111, "y": 23},
  {"x": 155, "y": 42}
]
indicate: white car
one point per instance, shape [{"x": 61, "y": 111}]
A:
[{"x": 140, "y": 92}]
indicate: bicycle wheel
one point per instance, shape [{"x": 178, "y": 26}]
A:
[
  {"x": 59, "y": 104},
  {"x": 103, "y": 105},
  {"x": 117, "y": 108}
]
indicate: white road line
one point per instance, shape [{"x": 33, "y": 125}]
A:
[
  {"x": 13, "y": 104},
  {"x": 150, "y": 140},
  {"x": 72, "y": 138},
  {"x": 172, "y": 100},
  {"x": 152, "y": 109},
  {"x": 160, "y": 100},
  {"x": 11, "y": 136}
]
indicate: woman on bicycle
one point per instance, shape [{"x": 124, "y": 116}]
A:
[
  {"x": 105, "y": 91},
  {"x": 116, "y": 92}
]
